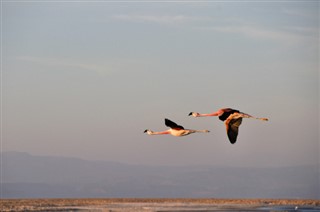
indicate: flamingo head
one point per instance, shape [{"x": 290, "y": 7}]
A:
[
  {"x": 149, "y": 132},
  {"x": 194, "y": 114}
]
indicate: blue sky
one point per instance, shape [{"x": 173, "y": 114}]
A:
[{"x": 85, "y": 79}]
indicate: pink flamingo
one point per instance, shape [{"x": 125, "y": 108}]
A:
[
  {"x": 232, "y": 119},
  {"x": 175, "y": 130}
]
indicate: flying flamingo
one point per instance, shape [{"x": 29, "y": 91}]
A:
[
  {"x": 175, "y": 130},
  {"x": 232, "y": 119}
]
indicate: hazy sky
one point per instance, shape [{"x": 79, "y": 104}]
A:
[{"x": 85, "y": 79}]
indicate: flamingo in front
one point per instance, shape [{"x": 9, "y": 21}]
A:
[
  {"x": 175, "y": 130},
  {"x": 232, "y": 119}
]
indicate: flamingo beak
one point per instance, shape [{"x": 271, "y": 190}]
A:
[
  {"x": 145, "y": 131},
  {"x": 190, "y": 114}
]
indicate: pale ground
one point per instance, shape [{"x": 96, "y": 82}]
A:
[{"x": 157, "y": 205}]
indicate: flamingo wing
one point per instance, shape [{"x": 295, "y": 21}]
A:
[
  {"x": 226, "y": 113},
  {"x": 232, "y": 126},
  {"x": 172, "y": 125}
]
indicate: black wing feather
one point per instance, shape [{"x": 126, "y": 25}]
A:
[
  {"x": 172, "y": 125},
  {"x": 233, "y": 129}
]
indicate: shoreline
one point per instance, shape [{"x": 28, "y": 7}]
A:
[{"x": 148, "y": 204}]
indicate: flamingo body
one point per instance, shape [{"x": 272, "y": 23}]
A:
[{"x": 175, "y": 130}]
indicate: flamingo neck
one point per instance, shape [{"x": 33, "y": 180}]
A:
[
  {"x": 209, "y": 114},
  {"x": 160, "y": 133}
]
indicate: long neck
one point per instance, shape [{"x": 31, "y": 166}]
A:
[
  {"x": 159, "y": 133},
  {"x": 209, "y": 114}
]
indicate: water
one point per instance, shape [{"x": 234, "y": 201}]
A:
[
  {"x": 291, "y": 208},
  {"x": 206, "y": 208}
]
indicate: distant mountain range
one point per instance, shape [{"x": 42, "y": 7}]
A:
[{"x": 28, "y": 176}]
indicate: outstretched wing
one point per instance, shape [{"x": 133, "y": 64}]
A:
[
  {"x": 232, "y": 126},
  {"x": 172, "y": 125}
]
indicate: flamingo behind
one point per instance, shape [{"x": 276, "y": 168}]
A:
[{"x": 232, "y": 119}]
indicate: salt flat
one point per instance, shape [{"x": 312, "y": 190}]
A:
[{"x": 159, "y": 205}]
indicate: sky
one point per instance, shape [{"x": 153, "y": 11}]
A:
[{"x": 85, "y": 79}]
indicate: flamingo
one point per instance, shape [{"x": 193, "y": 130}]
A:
[
  {"x": 232, "y": 119},
  {"x": 175, "y": 130}
]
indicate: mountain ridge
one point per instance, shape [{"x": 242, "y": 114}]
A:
[{"x": 26, "y": 175}]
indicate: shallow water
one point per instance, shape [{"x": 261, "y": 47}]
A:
[
  {"x": 137, "y": 207},
  {"x": 291, "y": 208}
]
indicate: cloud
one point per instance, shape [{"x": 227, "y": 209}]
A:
[
  {"x": 310, "y": 14},
  {"x": 159, "y": 19},
  {"x": 110, "y": 66},
  {"x": 284, "y": 35},
  {"x": 254, "y": 32},
  {"x": 61, "y": 62}
]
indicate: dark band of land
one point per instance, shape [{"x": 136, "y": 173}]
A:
[{"x": 80, "y": 204}]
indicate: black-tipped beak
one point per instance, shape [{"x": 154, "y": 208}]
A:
[
  {"x": 145, "y": 131},
  {"x": 190, "y": 113}
]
